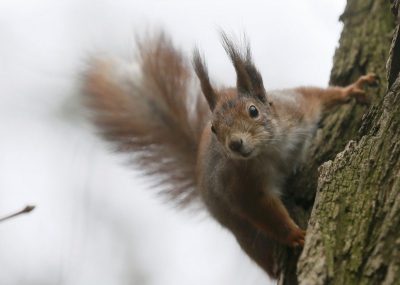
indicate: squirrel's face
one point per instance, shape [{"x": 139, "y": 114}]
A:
[
  {"x": 241, "y": 120},
  {"x": 243, "y": 126}
]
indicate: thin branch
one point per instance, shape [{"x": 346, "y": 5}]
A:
[{"x": 27, "y": 209}]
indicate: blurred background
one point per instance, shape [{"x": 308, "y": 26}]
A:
[{"x": 97, "y": 221}]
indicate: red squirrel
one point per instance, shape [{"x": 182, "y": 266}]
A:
[{"x": 233, "y": 154}]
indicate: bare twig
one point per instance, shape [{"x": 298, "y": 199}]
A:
[{"x": 25, "y": 210}]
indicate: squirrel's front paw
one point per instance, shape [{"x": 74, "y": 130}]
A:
[
  {"x": 296, "y": 238},
  {"x": 370, "y": 79},
  {"x": 357, "y": 91}
]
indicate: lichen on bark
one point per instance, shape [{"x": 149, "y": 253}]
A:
[{"x": 353, "y": 234}]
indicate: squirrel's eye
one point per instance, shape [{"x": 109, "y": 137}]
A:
[
  {"x": 213, "y": 130},
  {"x": 253, "y": 112}
]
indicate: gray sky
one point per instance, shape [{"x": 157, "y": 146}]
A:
[{"x": 96, "y": 221}]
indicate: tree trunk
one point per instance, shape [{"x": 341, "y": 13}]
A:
[{"x": 353, "y": 233}]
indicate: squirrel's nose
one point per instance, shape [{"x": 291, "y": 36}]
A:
[{"x": 235, "y": 145}]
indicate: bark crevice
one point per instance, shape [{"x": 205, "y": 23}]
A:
[{"x": 350, "y": 193}]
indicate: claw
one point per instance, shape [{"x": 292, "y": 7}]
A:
[
  {"x": 370, "y": 79},
  {"x": 356, "y": 89},
  {"x": 296, "y": 238}
]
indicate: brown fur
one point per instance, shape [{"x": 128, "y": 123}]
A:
[
  {"x": 243, "y": 156},
  {"x": 158, "y": 116}
]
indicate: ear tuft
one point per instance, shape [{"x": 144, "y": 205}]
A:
[
  {"x": 238, "y": 59},
  {"x": 249, "y": 79},
  {"x": 255, "y": 78},
  {"x": 201, "y": 71}
]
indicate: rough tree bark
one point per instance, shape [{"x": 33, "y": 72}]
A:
[{"x": 349, "y": 194}]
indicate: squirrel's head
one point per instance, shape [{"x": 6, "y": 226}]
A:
[{"x": 241, "y": 116}]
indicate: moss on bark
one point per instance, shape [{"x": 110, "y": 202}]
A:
[{"x": 353, "y": 235}]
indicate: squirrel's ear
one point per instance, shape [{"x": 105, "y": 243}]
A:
[
  {"x": 243, "y": 82},
  {"x": 255, "y": 78},
  {"x": 202, "y": 73},
  {"x": 249, "y": 80}
]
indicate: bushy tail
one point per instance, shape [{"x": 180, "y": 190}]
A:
[{"x": 158, "y": 114}]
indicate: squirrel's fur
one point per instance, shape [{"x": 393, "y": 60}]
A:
[
  {"x": 236, "y": 157},
  {"x": 158, "y": 115}
]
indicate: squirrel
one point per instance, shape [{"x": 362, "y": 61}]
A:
[{"x": 232, "y": 151}]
